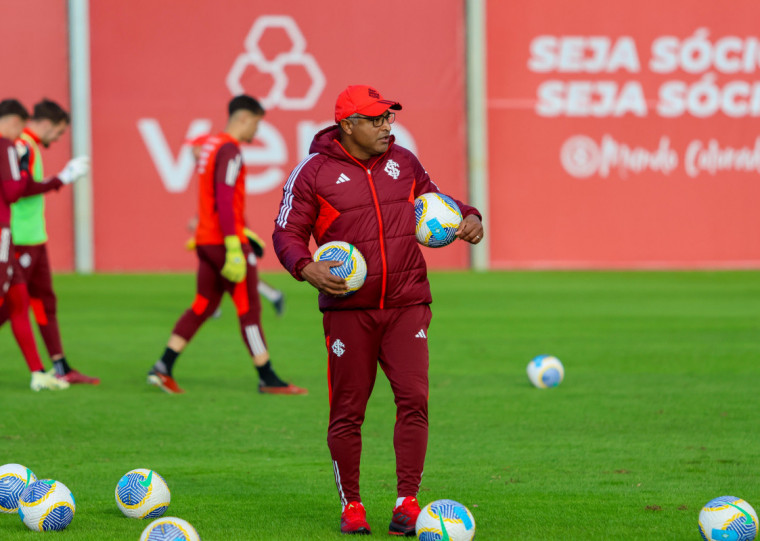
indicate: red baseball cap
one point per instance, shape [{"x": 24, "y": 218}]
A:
[{"x": 364, "y": 100}]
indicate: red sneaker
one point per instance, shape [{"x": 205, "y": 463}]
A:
[
  {"x": 164, "y": 382},
  {"x": 75, "y": 376},
  {"x": 405, "y": 517},
  {"x": 353, "y": 520},
  {"x": 288, "y": 389}
]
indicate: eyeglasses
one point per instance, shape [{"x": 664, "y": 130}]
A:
[{"x": 378, "y": 121}]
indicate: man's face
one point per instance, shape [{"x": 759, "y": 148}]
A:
[
  {"x": 250, "y": 126},
  {"x": 49, "y": 132},
  {"x": 368, "y": 139}
]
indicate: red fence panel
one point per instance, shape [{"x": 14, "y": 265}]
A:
[
  {"x": 624, "y": 134},
  {"x": 35, "y": 65},
  {"x": 164, "y": 71}
]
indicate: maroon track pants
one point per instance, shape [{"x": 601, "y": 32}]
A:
[
  {"x": 14, "y": 302},
  {"x": 211, "y": 285},
  {"x": 357, "y": 340},
  {"x": 34, "y": 269}
]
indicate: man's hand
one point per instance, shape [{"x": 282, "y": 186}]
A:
[
  {"x": 318, "y": 274},
  {"x": 234, "y": 261},
  {"x": 23, "y": 155},
  {"x": 470, "y": 229},
  {"x": 75, "y": 169}
]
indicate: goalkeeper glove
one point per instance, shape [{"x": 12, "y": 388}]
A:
[
  {"x": 76, "y": 168},
  {"x": 257, "y": 245},
  {"x": 234, "y": 261}
]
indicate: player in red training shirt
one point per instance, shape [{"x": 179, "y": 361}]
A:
[
  {"x": 269, "y": 292},
  {"x": 225, "y": 259},
  {"x": 16, "y": 182}
]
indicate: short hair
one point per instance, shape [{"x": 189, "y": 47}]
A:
[
  {"x": 49, "y": 110},
  {"x": 246, "y": 103},
  {"x": 13, "y": 107}
]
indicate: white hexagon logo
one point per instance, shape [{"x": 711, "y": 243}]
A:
[{"x": 296, "y": 55}]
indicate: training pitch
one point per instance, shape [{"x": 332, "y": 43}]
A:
[{"x": 658, "y": 412}]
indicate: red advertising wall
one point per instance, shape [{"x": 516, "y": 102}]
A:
[
  {"x": 624, "y": 134},
  {"x": 163, "y": 72},
  {"x": 38, "y": 67}
]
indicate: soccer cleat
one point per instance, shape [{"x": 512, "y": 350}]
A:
[
  {"x": 353, "y": 520},
  {"x": 75, "y": 376},
  {"x": 47, "y": 380},
  {"x": 405, "y": 517},
  {"x": 164, "y": 382},
  {"x": 279, "y": 305},
  {"x": 282, "y": 389}
]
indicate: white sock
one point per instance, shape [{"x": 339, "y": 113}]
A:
[
  {"x": 268, "y": 292},
  {"x": 400, "y": 500}
]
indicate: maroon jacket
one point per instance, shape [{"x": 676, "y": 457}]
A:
[
  {"x": 335, "y": 197},
  {"x": 14, "y": 183}
]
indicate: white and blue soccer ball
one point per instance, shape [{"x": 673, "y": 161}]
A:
[
  {"x": 170, "y": 529},
  {"x": 14, "y": 478},
  {"x": 445, "y": 519},
  {"x": 438, "y": 218},
  {"x": 46, "y": 505},
  {"x": 728, "y": 518},
  {"x": 545, "y": 371},
  {"x": 142, "y": 493},
  {"x": 354, "y": 267}
]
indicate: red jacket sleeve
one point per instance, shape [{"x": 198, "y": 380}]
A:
[
  {"x": 298, "y": 214},
  {"x": 228, "y": 164},
  {"x": 34, "y": 188},
  {"x": 15, "y": 184},
  {"x": 424, "y": 184}
]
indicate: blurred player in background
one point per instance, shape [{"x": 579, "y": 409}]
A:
[
  {"x": 386, "y": 321},
  {"x": 275, "y": 296},
  {"x": 226, "y": 261},
  {"x": 49, "y": 121},
  {"x": 16, "y": 182}
]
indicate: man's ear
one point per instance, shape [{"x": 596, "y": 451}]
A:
[{"x": 347, "y": 126}]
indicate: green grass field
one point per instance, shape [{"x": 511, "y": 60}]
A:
[{"x": 657, "y": 415}]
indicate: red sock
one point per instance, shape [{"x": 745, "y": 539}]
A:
[{"x": 18, "y": 301}]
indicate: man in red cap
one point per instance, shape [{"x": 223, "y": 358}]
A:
[{"x": 357, "y": 186}]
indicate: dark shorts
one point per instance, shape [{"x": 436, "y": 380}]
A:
[{"x": 34, "y": 267}]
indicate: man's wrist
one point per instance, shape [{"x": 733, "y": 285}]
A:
[
  {"x": 301, "y": 264},
  {"x": 232, "y": 242}
]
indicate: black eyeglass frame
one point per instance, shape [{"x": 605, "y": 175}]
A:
[{"x": 379, "y": 120}]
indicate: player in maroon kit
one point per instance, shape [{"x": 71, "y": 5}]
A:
[
  {"x": 225, "y": 259},
  {"x": 357, "y": 186},
  {"x": 49, "y": 121},
  {"x": 16, "y": 182}
]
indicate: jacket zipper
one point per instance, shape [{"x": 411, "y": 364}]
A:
[
  {"x": 379, "y": 216},
  {"x": 382, "y": 237}
]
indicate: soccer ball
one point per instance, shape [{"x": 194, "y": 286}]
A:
[
  {"x": 727, "y": 518},
  {"x": 142, "y": 493},
  {"x": 438, "y": 218},
  {"x": 46, "y": 505},
  {"x": 545, "y": 371},
  {"x": 445, "y": 519},
  {"x": 170, "y": 529},
  {"x": 14, "y": 478},
  {"x": 354, "y": 268}
]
